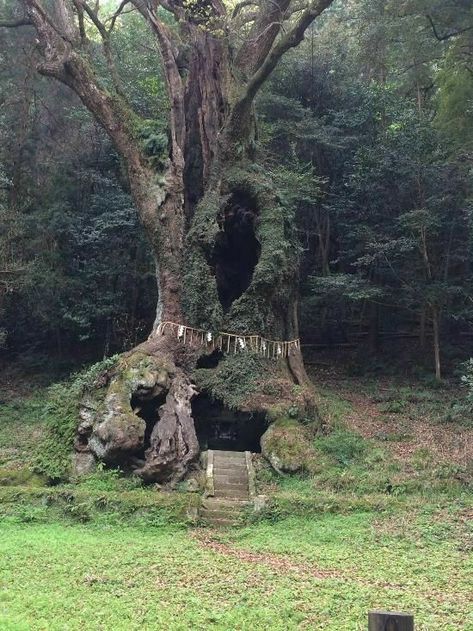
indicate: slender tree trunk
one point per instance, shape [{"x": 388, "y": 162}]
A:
[
  {"x": 436, "y": 335},
  {"x": 422, "y": 328},
  {"x": 323, "y": 233},
  {"x": 373, "y": 330}
]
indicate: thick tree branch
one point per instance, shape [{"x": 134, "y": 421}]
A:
[
  {"x": 62, "y": 62},
  {"x": 93, "y": 16},
  {"x": 263, "y": 32},
  {"x": 290, "y": 40},
  {"x": 240, "y": 118},
  {"x": 82, "y": 7},
  {"x": 169, "y": 54},
  {"x": 81, "y": 21}
]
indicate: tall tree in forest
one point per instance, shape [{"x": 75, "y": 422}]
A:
[{"x": 222, "y": 237}]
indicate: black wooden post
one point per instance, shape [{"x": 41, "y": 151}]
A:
[{"x": 390, "y": 621}]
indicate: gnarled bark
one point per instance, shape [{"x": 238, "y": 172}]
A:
[
  {"x": 174, "y": 445},
  {"x": 157, "y": 446}
]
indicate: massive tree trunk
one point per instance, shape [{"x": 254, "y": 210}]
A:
[{"x": 224, "y": 242}]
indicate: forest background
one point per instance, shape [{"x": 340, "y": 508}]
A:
[{"x": 367, "y": 127}]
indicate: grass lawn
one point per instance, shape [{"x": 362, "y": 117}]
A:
[{"x": 323, "y": 572}]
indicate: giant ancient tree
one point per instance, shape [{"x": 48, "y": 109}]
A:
[{"x": 222, "y": 237}]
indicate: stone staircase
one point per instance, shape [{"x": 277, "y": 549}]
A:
[{"x": 228, "y": 488}]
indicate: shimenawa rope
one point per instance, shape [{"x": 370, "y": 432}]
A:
[{"x": 230, "y": 342}]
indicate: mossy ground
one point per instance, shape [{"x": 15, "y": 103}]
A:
[{"x": 383, "y": 460}]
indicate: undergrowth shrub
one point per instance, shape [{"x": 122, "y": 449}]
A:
[
  {"x": 60, "y": 416},
  {"x": 461, "y": 409},
  {"x": 109, "y": 480}
]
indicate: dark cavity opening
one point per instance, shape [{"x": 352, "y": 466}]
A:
[
  {"x": 147, "y": 409},
  {"x": 217, "y": 427},
  {"x": 210, "y": 361},
  {"x": 236, "y": 250}
]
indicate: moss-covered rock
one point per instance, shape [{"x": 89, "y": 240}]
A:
[
  {"x": 287, "y": 446},
  {"x": 61, "y": 416}
]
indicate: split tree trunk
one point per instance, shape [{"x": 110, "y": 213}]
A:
[
  {"x": 225, "y": 249},
  {"x": 234, "y": 268}
]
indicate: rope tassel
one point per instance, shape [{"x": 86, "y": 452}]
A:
[{"x": 227, "y": 342}]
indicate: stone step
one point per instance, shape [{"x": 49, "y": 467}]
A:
[
  {"x": 231, "y": 466},
  {"x": 232, "y": 493},
  {"x": 224, "y": 464},
  {"x": 227, "y": 479},
  {"x": 214, "y": 502},
  {"x": 230, "y": 487},
  {"x": 226, "y": 508},
  {"x": 222, "y": 512},
  {"x": 229, "y": 462},
  {"x": 217, "y": 514},
  {"x": 230, "y": 480},
  {"x": 239, "y": 475},
  {"x": 229, "y": 454},
  {"x": 232, "y": 456}
]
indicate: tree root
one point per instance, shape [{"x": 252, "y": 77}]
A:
[
  {"x": 160, "y": 448},
  {"x": 139, "y": 417}
]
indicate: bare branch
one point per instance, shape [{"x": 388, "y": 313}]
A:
[
  {"x": 13, "y": 270},
  {"x": 117, "y": 13}
]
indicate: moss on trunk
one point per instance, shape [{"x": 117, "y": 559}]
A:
[{"x": 266, "y": 307}]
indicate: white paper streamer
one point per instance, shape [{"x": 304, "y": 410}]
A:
[{"x": 229, "y": 342}]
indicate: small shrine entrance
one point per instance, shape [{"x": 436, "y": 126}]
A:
[{"x": 220, "y": 428}]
